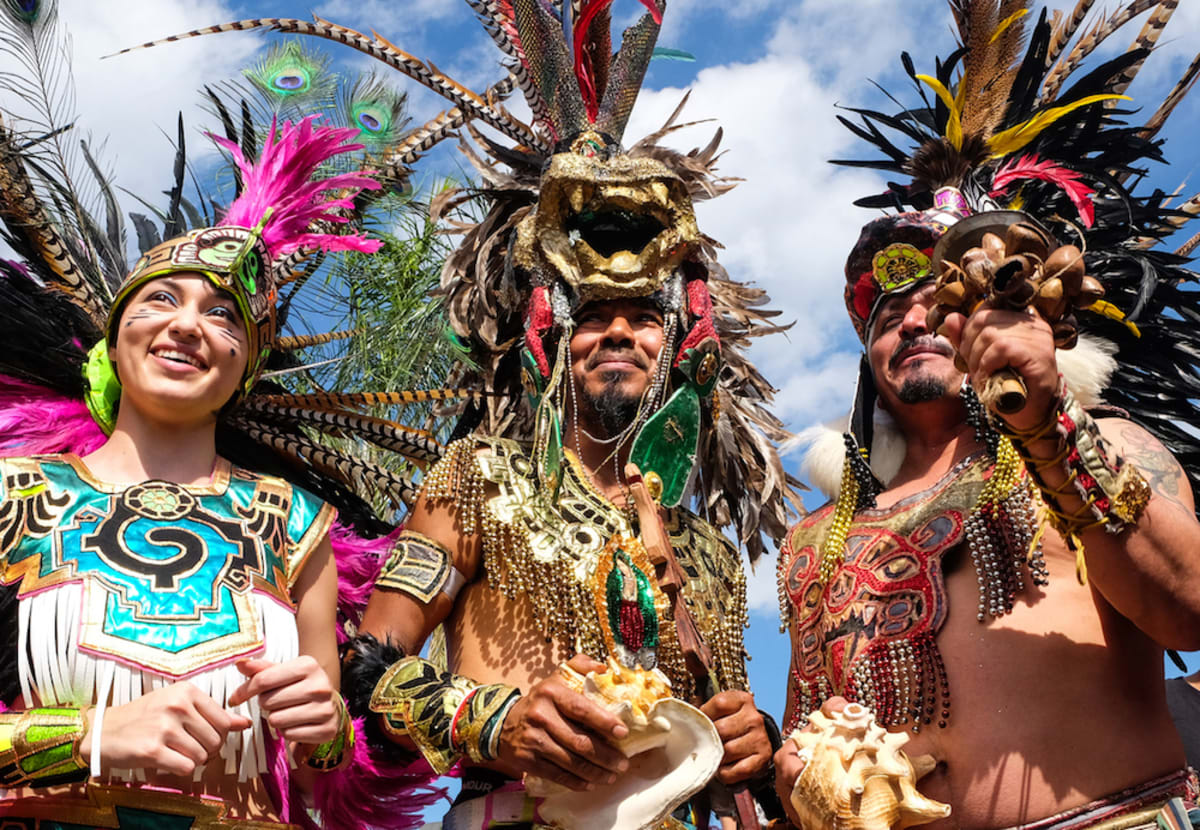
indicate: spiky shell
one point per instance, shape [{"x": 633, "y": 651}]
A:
[
  {"x": 853, "y": 770},
  {"x": 673, "y": 748}
]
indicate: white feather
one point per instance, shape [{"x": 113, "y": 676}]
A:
[{"x": 1087, "y": 369}]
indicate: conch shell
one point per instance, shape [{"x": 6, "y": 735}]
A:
[
  {"x": 673, "y": 748},
  {"x": 856, "y": 777}
]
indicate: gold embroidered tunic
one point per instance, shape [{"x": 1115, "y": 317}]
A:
[{"x": 549, "y": 552}]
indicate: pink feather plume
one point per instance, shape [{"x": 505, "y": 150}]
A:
[
  {"x": 583, "y": 70},
  {"x": 36, "y": 420},
  {"x": 1031, "y": 167},
  {"x": 358, "y": 561},
  {"x": 373, "y": 792},
  {"x": 282, "y": 179}
]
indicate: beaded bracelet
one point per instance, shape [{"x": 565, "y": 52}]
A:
[
  {"x": 478, "y": 730},
  {"x": 40, "y": 747},
  {"x": 1114, "y": 493}
]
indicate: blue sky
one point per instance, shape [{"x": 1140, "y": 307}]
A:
[{"x": 768, "y": 71}]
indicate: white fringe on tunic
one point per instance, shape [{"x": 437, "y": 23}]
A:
[{"x": 55, "y": 672}]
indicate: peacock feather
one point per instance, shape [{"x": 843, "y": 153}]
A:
[
  {"x": 376, "y": 109},
  {"x": 292, "y": 77}
]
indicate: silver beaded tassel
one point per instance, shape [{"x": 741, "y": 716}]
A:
[
  {"x": 1000, "y": 534},
  {"x": 999, "y": 537}
]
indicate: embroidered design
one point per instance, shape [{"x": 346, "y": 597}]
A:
[
  {"x": 625, "y": 599},
  {"x": 417, "y": 565},
  {"x": 29, "y": 508},
  {"x": 166, "y": 571},
  {"x": 549, "y": 553},
  {"x": 868, "y": 633}
]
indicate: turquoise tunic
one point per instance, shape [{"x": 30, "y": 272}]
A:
[{"x": 167, "y": 570}]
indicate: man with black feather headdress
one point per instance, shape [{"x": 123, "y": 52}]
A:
[{"x": 999, "y": 573}]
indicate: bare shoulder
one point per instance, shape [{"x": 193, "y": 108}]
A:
[{"x": 1161, "y": 470}]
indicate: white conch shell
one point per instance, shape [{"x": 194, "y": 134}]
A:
[
  {"x": 673, "y": 748},
  {"x": 856, "y": 777}
]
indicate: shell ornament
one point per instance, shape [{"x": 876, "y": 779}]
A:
[
  {"x": 673, "y": 749},
  {"x": 856, "y": 776}
]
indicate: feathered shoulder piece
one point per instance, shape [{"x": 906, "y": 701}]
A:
[{"x": 1024, "y": 115}]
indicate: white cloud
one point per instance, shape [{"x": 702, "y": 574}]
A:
[{"x": 129, "y": 104}]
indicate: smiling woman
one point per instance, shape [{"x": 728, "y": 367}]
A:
[
  {"x": 181, "y": 353},
  {"x": 166, "y": 606}
]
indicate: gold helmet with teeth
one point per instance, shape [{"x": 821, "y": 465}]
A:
[
  {"x": 571, "y": 216},
  {"x": 608, "y": 225}
]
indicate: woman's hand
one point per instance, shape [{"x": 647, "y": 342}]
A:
[
  {"x": 296, "y": 698},
  {"x": 175, "y": 730}
]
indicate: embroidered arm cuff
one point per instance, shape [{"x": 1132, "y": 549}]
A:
[
  {"x": 432, "y": 708},
  {"x": 336, "y": 752},
  {"x": 420, "y": 567},
  {"x": 1114, "y": 493},
  {"x": 40, "y": 747}
]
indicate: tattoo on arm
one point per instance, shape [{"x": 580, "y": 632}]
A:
[{"x": 1155, "y": 462}]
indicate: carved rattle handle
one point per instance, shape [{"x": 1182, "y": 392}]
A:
[{"x": 1004, "y": 392}]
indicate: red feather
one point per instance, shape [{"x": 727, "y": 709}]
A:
[
  {"x": 1031, "y": 167},
  {"x": 583, "y": 69}
]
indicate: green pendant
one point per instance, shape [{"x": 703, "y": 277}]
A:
[
  {"x": 665, "y": 447},
  {"x": 548, "y": 447}
]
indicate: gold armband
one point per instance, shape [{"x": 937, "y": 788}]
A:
[
  {"x": 427, "y": 705},
  {"x": 420, "y": 567},
  {"x": 40, "y": 747}
]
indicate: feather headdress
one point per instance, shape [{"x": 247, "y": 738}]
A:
[
  {"x": 572, "y": 216},
  {"x": 1020, "y": 119}
]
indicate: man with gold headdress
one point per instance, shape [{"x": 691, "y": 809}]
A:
[
  {"x": 553, "y": 542},
  {"x": 999, "y": 572}
]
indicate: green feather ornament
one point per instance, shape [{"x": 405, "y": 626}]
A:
[
  {"x": 376, "y": 110},
  {"x": 291, "y": 75}
]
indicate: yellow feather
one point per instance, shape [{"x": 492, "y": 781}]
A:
[
  {"x": 1107, "y": 309},
  {"x": 1008, "y": 21},
  {"x": 1013, "y": 139},
  {"x": 954, "y": 133}
]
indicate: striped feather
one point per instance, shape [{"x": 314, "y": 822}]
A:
[
  {"x": 1065, "y": 30},
  {"x": 304, "y": 341},
  {"x": 1185, "y": 84},
  {"x": 350, "y": 471},
  {"x": 1188, "y": 247},
  {"x": 1087, "y": 44},
  {"x": 382, "y": 50},
  {"x": 497, "y": 20},
  {"x": 1151, "y": 31},
  {"x": 35, "y": 237},
  {"x": 351, "y": 400},
  {"x": 415, "y": 444}
]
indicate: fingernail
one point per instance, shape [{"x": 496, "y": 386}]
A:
[{"x": 610, "y": 779}]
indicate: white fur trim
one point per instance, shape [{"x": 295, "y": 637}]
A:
[{"x": 1087, "y": 369}]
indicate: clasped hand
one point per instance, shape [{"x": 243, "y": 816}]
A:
[
  {"x": 178, "y": 729},
  {"x": 992, "y": 339},
  {"x": 557, "y": 733}
]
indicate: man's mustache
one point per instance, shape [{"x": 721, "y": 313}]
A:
[
  {"x": 616, "y": 355},
  {"x": 931, "y": 342}
]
